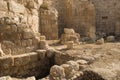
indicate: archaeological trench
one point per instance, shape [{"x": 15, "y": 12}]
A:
[{"x": 59, "y": 39}]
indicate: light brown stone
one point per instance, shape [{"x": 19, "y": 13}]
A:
[
  {"x": 111, "y": 38},
  {"x": 70, "y": 45},
  {"x": 100, "y": 41},
  {"x": 57, "y": 73}
]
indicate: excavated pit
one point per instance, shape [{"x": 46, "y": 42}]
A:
[
  {"x": 26, "y": 65},
  {"x": 90, "y": 75}
]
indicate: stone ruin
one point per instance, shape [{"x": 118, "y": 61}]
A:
[
  {"x": 27, "y": 26},
  {"x": 70, "y": 35}
]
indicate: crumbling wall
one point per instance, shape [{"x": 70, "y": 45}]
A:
[
  {"x": 19, "y": 23},
  {"x": 76, "y": 14},
  {"x": 48, "y": 21},
  {"x": 106, "y": 12},
  {"x": 26, "y": 65}
]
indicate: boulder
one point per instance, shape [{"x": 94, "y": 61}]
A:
[
  {"x": 69, "y": 35},
  {"x": 100, "y": 41},
  {"x": 69, "y": 31},
  {"x": 71, "y": 68},
  {"x": 16, "y": 7},
  {"x": 111, "y": 38},
  {"x": 57, "y": 73}
]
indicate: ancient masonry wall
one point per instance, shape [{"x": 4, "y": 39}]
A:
[
  {"x": 26, "y": 65},
  {"x": 107, "y": 15},
  {"x": 76, "y": 14},
  {"x": 19, "y": 23},
  {"x": 48, "y": 21}
]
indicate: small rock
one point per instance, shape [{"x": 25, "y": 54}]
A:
[
  {"x": 100, "y": 41},
  {"x": 111, "y": 38},
  {"x": 82, "y": 62}
]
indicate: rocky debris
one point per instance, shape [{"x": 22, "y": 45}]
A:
[
  {"x": 10, "y": 78},
  {"x": 111, "y": 38},
  {"x": 70, "y": 35},
  {"x": 100, "y": 41},
  {"x": 69, "y": 70},
  {"x": 57, "y": 73}
]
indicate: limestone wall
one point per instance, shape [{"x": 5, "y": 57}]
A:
[
  {"x": 48, "y": 21},
  {"x": 106, "y": 13},
  {"x": 26, "y": 65},
  {"x": 19, "y": 23},
  {"x": 76, "y": 14}
]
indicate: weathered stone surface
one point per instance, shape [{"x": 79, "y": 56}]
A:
[
  {"x": 28, "y": 34},
  {"x": 57, "y": 73},
  {"x": 6, "y": 62},
  {"x": 43, "y": 44},
  {"x": 111, "y": 38},
  {"x": 3, "y": 6},
  {"x": 48, "y": 21},
  {"x": 16, "y": 7},
  {"x": 81, "y": 19},
  {"x": 33, "y": 56},
  {"x": 100, "y": 41},
  {"x": 69, "y": 35},
  {"x": 42, "y": 38},
  {"x": 41, "y": 54},
  {"x": 70, "y": 45},
  {"x": 10, "y": 78},
  {"x": 21, "y": 59}
]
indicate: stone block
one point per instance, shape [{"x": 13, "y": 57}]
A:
[
  {"x": 82, "y": 62},
  {"x": 31, "y": 4},
  {"x": 69, "y": 31},
  {"x": 7, "y": 46},
  {"x": 22, "y": 59},
  {"x": 14, "y": 28},
  {"x": 42, "y": 38},
  {"x": 41, "y": 54},
  {"x": 28, "y": 34},
  {"x": 33, "y": 56},
  {"x": 3, "y": 6},
  {"x": 43, "y": 44},
  {"x": 100, "y": 41},
  {"x": 29, "y": 42},
  {"x": 111, "y": 38},
  {"x": 16, "y": 7},
  {"x": 70, "y": 45},
  {"x": 6, "y": 62},
  {"x": 57, "y": 73}
]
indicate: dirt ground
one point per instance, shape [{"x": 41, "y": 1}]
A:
[{"x": 105, "y": 58}]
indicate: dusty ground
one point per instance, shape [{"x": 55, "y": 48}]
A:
[{"x": 105, "y": 58}]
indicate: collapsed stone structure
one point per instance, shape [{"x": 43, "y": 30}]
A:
[
  {"x": 70, "y": 35},
  {"x": 26, "y": 24},
  {"x": 81, "y": 19}
]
